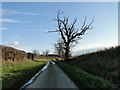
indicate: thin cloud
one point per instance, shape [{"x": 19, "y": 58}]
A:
[
  {"x": 38, "y": 30},
  {"x": 27, "y": 48},
  {"x": 46, "y": 14},
  {"x": 3, "y": 28},
  {"x": 6, "y": 12},
  {"x": 91, "y": 46},
  {"x": 8, "y": 20},
  {"x": 30, "y": 13},
  {"x": 26, "y": 21},
  {"x": 14, "y": 12},
  {"x": 12, "y": 20},
  {"x": 12, "y": 43}
]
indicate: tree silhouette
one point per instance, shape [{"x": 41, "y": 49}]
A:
[
  {"x": 46, "y": 53},
  {"x": 69, "y": 33},
  {"x": 59, "y": 48},
  {"x": 36, "y": 52}
]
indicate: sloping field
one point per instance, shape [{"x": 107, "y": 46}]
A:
[{"x": 104, "y": 64}]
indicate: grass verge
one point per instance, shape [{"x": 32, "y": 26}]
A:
[
  {"x": 102, "y": 63},
  {"x": 16, "y": 75},
  {"x": 84, "y": 79}
]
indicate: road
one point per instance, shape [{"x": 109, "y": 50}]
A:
[{"x": 52, "y": 77}]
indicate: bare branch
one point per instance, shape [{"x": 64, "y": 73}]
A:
[
  {"x": 73, "y": 24},
  {"x": 83, "y": 23},
  {"x": 84, "y": 28},
  {"x": 91, "y": 22},
  {"x": 69, "y": 34},
  {"x": 53, "y": 31},
  {"x": 60, "y": 28}
]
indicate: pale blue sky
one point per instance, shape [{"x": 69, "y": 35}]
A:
[{"x": 25, "y": 24}]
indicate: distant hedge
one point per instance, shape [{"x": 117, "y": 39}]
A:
[{"x": 12, "y": 55}]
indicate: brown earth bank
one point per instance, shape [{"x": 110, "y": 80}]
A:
[{"x": 12, "y": 55}]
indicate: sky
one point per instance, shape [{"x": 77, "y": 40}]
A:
[
  {"x": 60, "y": 0},
  {"x": 25, "y": 24}
]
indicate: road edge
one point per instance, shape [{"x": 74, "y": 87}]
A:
[{"x": 34, "y": 77}]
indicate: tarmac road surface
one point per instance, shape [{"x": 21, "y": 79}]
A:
[{"x": 52, "y": 77}]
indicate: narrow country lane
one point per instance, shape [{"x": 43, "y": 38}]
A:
[{"x": 52, "y": 77}]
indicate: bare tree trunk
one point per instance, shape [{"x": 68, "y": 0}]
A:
[{"x": 67, "y": 50}]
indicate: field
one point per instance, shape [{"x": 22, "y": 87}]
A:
[
  {"x": 16, "y": 75},
  {"x": 104, "y": 64}
]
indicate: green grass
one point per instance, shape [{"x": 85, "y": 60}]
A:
[
  {"x": 16, "y": 75},
  {"x": 84, "y": 79},
  {"x": 41, "y": 60},
  {"x": 104, "y": 64}
]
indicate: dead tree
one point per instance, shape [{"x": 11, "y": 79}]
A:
[
  {"x": 46, "y": 53},
  {"x": 69, "y": 34},
  {"x": 36, "y": 52},
  {"x": 59, "y": 48}
]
